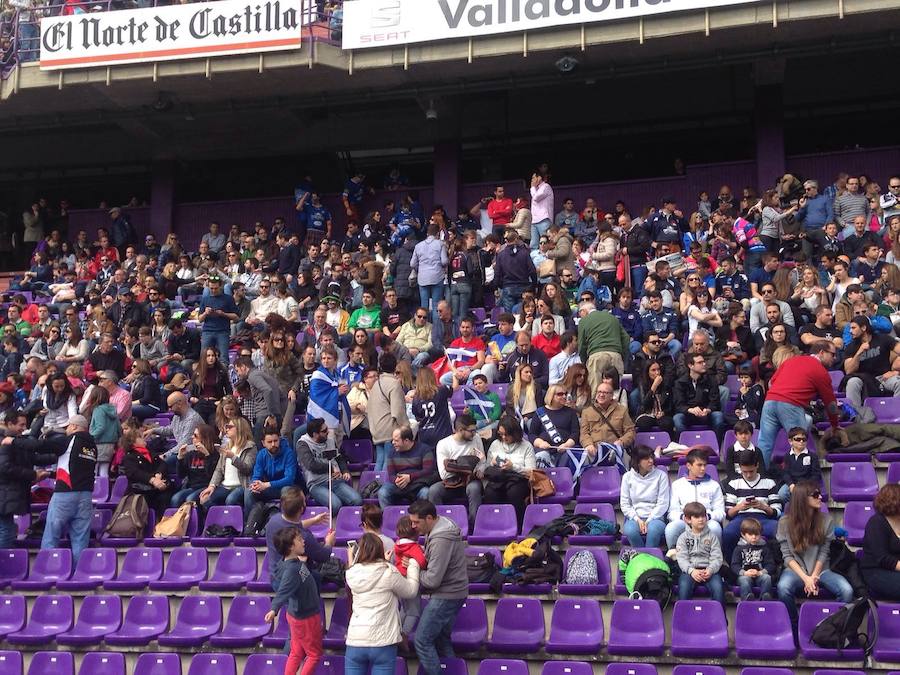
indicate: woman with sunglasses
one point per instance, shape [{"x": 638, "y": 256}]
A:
[
  {"x": 231, "y": 477},
  {"x": 47, "y": 347},
  {"x": 702, "y": 315},
  {"x": 280, "y": 361},
  {"x": 554, "y": 427},
  {"x": 805, "y": 535},
  {"x": 196, "y": 463}
]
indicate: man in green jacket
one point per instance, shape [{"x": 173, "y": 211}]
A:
[{"x": 602, "y": 342}]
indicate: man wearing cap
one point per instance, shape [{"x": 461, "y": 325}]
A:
[
  {"x": 126, "y": 310},
  {"x": 217, "y": 312},
  {"x": 70, "y": 509}
]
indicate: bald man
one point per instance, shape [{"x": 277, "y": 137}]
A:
[{"x": 182, "y": 427}]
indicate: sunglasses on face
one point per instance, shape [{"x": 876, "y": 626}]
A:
[
  {"x": 816, "y": 495},
  {"x": 799, "y": 439}
]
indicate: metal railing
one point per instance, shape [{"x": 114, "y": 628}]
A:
[{"x": 23, "y": 33}]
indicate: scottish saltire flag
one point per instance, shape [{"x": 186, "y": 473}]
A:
[
  {"x": 475, "y": 401},
  {"x": 325, "y": 402}
]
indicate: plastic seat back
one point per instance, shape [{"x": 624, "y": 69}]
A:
[
  {"x": 158, "y": 664},
  {"x": 52, "y": 663},
  {"x": 763, "y": 630},
  {"x": 540, "y": 514},
  {"x": 212, "y": 664},
  {"x": 102, "y": 663}
]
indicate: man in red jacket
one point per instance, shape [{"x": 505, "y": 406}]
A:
[
  {"x": 500, "y": 209},
  {"x": 798, "y": 381}
]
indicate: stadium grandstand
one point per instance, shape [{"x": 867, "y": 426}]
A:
[{"x": 449, "y": 337}]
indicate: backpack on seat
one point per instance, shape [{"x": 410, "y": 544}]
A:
[
  {"x": 582, "y": 570},
  {"x": 841, "y": 629},
  {"x": 130, "y": 518}
]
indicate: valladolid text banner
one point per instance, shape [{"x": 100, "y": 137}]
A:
[
  {"x": 382, "y": 23},
  {"x": 174, "y": 32}
]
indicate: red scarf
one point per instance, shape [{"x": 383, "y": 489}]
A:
[{"x": 143, "y": 452}]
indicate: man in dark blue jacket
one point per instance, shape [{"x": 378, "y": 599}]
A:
[
  {"x": 731, "y": 284},
  {"x": 514, "y": 270}
]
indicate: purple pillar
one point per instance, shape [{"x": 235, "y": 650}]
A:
[
  {"x": 769, "y": 126},
  {"x": 162, "y": 200},
  {"x": 446, "y": 175}
]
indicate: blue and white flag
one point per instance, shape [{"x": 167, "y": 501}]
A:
[
  {"x": 325, "y": 402},
  {"x": 479, "y": 402}
]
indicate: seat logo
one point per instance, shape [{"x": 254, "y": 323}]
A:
[{"x": 385, "y": 14}]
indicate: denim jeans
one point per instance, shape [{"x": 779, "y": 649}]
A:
[
  {"x": 433, "y": 293},
  {"x": 790, "y": 583},
  {"x": 716, "y": 420},
  {"x": 223, "y": 496},
  {"x": 460, "y": 297},
  {"x": 220, "y": 339},
  {"x": 538, "y": 229},
  {"x": 686, "y": 586},
  {"x": 433, "y": 633},
  {"x": 72, "y": 511},
  {"x": 185, "y": 495},
  {"x": 370, "y": 660},
  {"x": 29, "y": 41},
  {"x": 511, "y": 295},
  {"x": 8, "y": 530},
  {"x": 252, "y": 498},
  {"x": 143, "y": 412},
  {"x": 389, "y": 494},
  {"x": 382, "y": 450},
  {"x": 638, "y": 277},
  {"x": 656, "y": 530},
  {"x": 674, "y": 348},
  {"x": 778, "y": 415},
  {"x": 732, "y": 531},
  {"x": 341, "y": 495},
  {"x": 676, "y": 527},
  {"x": 763, "y": 582},
  {"x": 473, "y": 493}
]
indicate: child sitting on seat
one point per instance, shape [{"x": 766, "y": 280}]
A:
[
  {"x": 752, "y": 561},
  {"x": 699, "y": 555}
]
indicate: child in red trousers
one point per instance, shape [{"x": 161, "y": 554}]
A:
[{"x": 298, "y": 591}]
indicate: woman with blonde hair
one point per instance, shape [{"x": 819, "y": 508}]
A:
[
  {"x": 523, "y": 395},
  {"x": 431, "y": 407},
  {"x": 554, "y": 428},
  {"x": 577, "y": 388},
  {"x": 231, "y": 477},
  {"x": 227, "y": 410}
]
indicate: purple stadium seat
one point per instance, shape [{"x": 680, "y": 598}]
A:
[
  {"x": 458, "y": 514},
  {"x": 127, "y": 542},
  {"x": 400, "y": 666},
  {"x": 620, "y": 585},
  {"x": 562, "y": 481},
  {"x": 494, "y": 524},
  {"x": 235, "y": 567},
  {"x": 12, "y": 614},
  {"x": 146, "y": 618},
  {"x": 887, "y": 410},
  {"x": 767, "y": 671},
  {"x": 887, "y": 647},
  {"x": 856, "y": 515},
  {"x": 540, "y": 514},
  {"x": 853, "y": 481},
  {"x": 631, "y": 669},
  {"x": 220, "y": 515},
  {"x": 781, "y": 447},
  {"x": 654, "y": 439},
  {"x": 711, "y": 471},
  {"x": 321, "y": 529},
  {"x": 139, "y": 568},
  {"x": 600, "y": 484},
  {"x": 367, "y": 477},
  {"x": 102, "y": 663},
  {"x": 839, "y": 671},
  {"x": 518, "y": 626},
  {"x": 471, "y": 627},
  {"x": 282, "y": 632},
  {"x": 392, "y": 514},
  {"x": 212, "y": 664},
  {"x": 99, "y": 616},
  {"x": 360, "y": 453},
  {"x": 603, "y": 573},
  {"x": 502, "y": 667},
  {"x": 50, "y": 616},
  {"x": 99, "y": 520},
  {"x": 893, "y": 473},
  {"x": 52, "y": 663},
  {"x": 266, "y": 664},
  {"x": 449, "y": 666},
  {"x": 263, "y": 581},
  {"x": 576, "y": 627},
  {"x": 602, "y": 511},
  {"x": 32, "y": 541},
  {"x": 192, "y": 531},
  {"x": 729, "y": 439},
  {"x": 13, "y": 565},
  {"x": 699, "y": 629},
  {"x": 483, "y": 550},
  {"x": 692, "y": 438},
  {"x": 336, "y": 634},
  {"x": 11, "y": 663},
  {"x": 246, "y": 625},
  {"x": 811, "y": 613},
  {"x": 458, "y": 401},
  {"x": 762, "y": 630},
  {"x": 50, "y": 565},
  {"x": 698, "y": 670},
  {"x": 566, "y": 668},
  {"x": 186, "y": 567},
  {"x": 119, "y": 488},
  {"x": 95, "y": 566},
  {"x": 331, "y": 665},
  {"x": 158, "y": 664},
  {"x": 330, "y": 586},
  {"x": 199, "y": 618},
  {"x": 499, "y": 388},
  {"x": 100, "y": 495},
  {"x": 636, "y": 628},
  {"x": 347, "y": 525}
]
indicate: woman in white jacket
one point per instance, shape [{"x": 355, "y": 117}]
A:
[
  {"x": 374, "y": 629},
  {"x": 644, "y": 500}
]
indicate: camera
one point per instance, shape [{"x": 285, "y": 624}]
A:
[{"x": 330, "y": 453}]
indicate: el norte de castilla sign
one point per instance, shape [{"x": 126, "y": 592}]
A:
[
  {"x": 173, "y": 32},
  {"x": 383, "y": 23}
]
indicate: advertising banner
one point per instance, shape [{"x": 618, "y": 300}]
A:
[
  {"x": 383, "y": 23},
  {"x": 172, "y": 32}
]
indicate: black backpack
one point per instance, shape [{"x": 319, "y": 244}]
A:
[
  {"x": 654, "y": 584},
  {"x": 370, "y": 491},
  {"x": 841, "y": 630},
  {"x": 480, "y": 567},
  {"x": 258, "y": 518}
]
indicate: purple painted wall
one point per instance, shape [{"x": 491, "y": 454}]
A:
[{"x": 191, "y": 221}]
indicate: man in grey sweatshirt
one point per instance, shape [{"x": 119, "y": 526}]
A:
[{"x": 445, "y": 578}]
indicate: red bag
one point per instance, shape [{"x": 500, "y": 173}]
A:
[{"x": 623, "y": 269}]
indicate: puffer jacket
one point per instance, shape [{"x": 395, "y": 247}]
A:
[
  {"x": 401, "y": 269},
  {"x": 605, "y": 253},
  {"x": 375, "y": 621},
  {"x": 562, "y": 253}
]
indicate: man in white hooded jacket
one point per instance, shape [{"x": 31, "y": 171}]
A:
[{"x": 695, "y": 487}]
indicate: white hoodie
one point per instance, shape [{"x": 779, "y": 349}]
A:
[
  {"x": 706, "y": 491},
  {"x": 645, "y": 497},
  {"x": 375, "y": 621}
]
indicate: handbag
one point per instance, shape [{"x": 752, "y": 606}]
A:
[
  {"x": 547, "y": 268},
  {"x": 541, "y": 485},
  {"x": 175, "y": 525}
]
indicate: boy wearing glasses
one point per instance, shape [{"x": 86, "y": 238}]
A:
[{"x": 799, "y": 464}]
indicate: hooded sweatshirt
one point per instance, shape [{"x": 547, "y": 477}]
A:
[
  {"x": 446, "y": 575},
  {"x": 706, "y": 491},
  {"x": 410, "y": 549},
  {"x": 699, "y": 551},
  {"x": 315, "y": 466},
  {"x": 375, "y": 621},
  {"x": 645, "y": 497}
]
